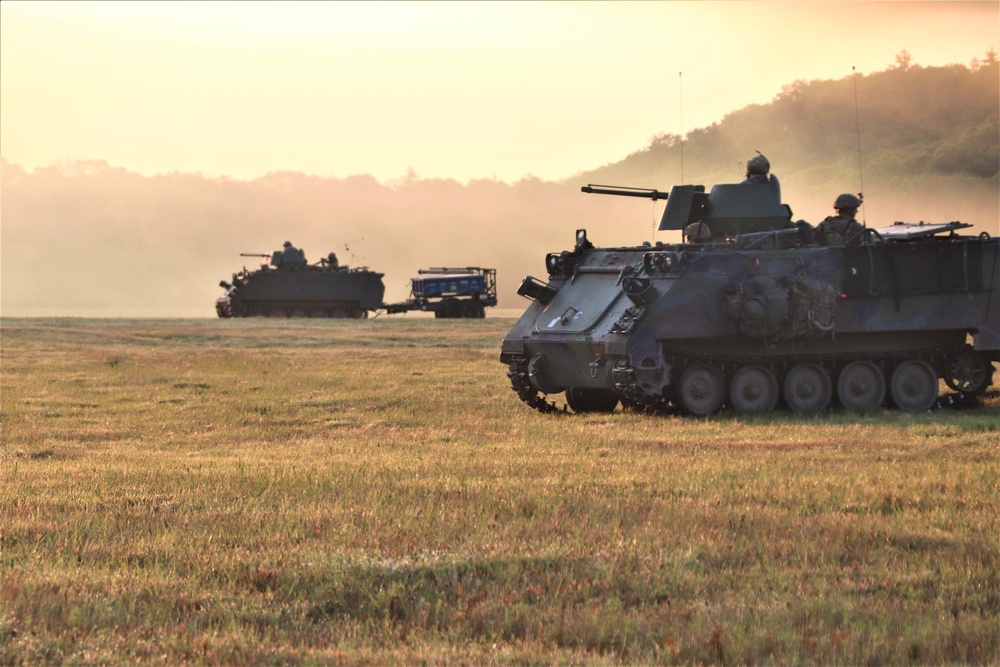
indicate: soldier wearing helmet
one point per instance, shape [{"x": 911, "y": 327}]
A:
[
  {"x": 758, "y": 172},
  {"x": 698, "y": 232},
  {"x": 757, "y": 169},
  {"x": 292, "y": 256},
  {"x": 841, "y": 229}
]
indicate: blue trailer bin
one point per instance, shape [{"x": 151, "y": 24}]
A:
[{"x": 448, "y": 285}]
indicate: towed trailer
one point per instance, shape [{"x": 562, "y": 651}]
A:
[{"x": 450, "y": 292}]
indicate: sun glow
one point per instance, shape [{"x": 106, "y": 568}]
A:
[{"x": 459, "y": 90}]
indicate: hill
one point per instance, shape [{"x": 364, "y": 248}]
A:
[{"x": 917, "y": 124}]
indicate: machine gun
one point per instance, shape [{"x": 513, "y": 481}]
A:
[
  {"x": 646, "y": 193},
  {"x": 728, "y": 210}
]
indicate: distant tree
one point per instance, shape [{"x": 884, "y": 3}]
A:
[
  {"x": 10, "y": 173},
  {"x": 663, "y": 140},
  {"x": 989, "y": 60},
  {"x": 904, "y": 60},
  {"x": 791, "y": 91}
]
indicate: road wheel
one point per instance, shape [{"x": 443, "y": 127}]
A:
[
  {"x": 914, "y": 386},
  {"x": 701, "y": 390},
  {"x": 861, "y": 386},
  {"x": 754, "y": 389},
  {"x": 581, "y": 399},
  {"x": 808, "y": 388}
]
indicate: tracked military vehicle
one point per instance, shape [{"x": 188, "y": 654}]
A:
[
  {"x": 750, "y": 313},
  {"x": 286, "y": 285}
]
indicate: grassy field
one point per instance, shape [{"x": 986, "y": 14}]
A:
[{"x": 356, "y": 492}]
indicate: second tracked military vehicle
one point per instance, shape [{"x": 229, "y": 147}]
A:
[
  {"x": 286, "y": 285},
  {"x": 754, "y": 312}
]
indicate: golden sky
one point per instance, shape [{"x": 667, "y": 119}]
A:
[{"x": 459, "y": 90}]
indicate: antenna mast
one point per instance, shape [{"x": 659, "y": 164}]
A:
[
  {"x": 857, "y": 124},
  {"x": 680, "y": 97},
  {"x": 348, "y": 248}
]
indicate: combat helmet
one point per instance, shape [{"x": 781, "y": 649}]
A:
[
  {"x": 847, "y": 200},
  {"x": 758, "y": 165}
]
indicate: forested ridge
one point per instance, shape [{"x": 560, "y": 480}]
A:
[
  {"x": 89, "y": 235},
  {"x": 911, "y": 122}
]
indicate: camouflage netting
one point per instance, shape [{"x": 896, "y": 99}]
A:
[
  {"x": 762, "y": 307},
  {"x": 813, "y": 306}
]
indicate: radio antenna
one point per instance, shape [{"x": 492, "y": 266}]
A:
[
  {"x": 348, "y": 248},
  {"x": 680, "y": 98},
  {"x": 857, "y": 125}
]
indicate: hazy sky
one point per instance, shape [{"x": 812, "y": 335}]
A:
[{"x": 459, "y": 90}]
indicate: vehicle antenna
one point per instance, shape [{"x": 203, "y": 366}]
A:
[
  {"x": 680, "y": 97},
  {"x": 347, "y": 248},
  {"x": 857, "y": 123}
]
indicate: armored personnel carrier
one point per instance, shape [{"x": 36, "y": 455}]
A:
[
  {"x": 750, "y": 312},
  {"x": 287, "y": 286}
]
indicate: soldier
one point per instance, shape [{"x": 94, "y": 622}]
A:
[
  {"x": 292, "y": 255},
  {"x": 757, "y": 168},
  {"x": 698, "y": 232},
  {"x": 842, "y": 228}
]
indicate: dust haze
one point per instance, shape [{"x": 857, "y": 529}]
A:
[{"x": 87, "y": 238}]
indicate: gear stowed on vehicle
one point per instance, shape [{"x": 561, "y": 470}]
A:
[{"x": 752, "y": 313}]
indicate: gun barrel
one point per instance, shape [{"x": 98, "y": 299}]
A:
[
  {"x": 622, "y": 191},
  {"x": 255, "y": 254}
]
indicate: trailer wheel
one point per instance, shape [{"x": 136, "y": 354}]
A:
[
  {"x": 473, "y": 310},
  {"x": 447, "y": 309}
]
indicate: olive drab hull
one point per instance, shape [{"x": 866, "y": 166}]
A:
[
  {"x": 301, "y": 290},
  {"x": 760, "y": 317}
]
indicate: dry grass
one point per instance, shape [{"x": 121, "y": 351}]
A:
[{"x": 354, "y": 492}]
